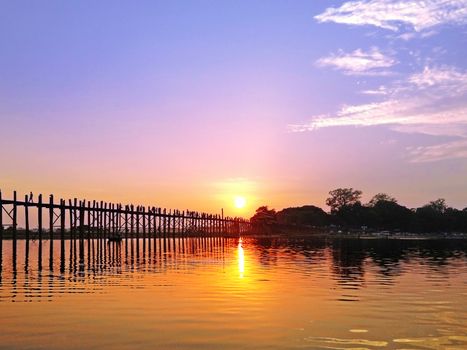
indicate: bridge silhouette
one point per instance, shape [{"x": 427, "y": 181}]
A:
[{"x": 83, "y": 220}]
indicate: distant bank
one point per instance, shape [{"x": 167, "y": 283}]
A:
[{"x": 381, "y": 217}]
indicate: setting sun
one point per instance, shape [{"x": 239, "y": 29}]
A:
[{"x": 239, "y": 202}]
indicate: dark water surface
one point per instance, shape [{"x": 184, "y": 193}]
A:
[{"x": 219, "y": 293}]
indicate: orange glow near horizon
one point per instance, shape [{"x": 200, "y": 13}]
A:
[{"x": 238, "y": 195}]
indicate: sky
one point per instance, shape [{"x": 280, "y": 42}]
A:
[{"x": 190, "y": 104}]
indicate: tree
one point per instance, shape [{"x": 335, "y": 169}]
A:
[
  {"x": 263, "y": 216},
  {"x": 438, "y": 205},
  {"x": 390, "y": 215},
  {"x": 430, "y": 217},
  {"x": 354, "y": 215},
  {"x": 381, "y": 197},
  {"x": 306, "y": 215},
  {"x": 343, "y": 197}
]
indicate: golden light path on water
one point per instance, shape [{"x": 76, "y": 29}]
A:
[
  {"x": 231, "y": 293},
  {"x": 241, "y": 258}
]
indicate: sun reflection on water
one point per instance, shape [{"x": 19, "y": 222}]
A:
[{"x": 241, "y": 258}]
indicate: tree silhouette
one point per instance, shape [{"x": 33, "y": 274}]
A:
[
  {"x": 343, "y": 197},
  {"x": 263, "y": 218},
  {"x": 438, "y": 205},
  {"x": 306, "y": 215},
  {"x": 382, "y": 213},
  {"x": 381, "y": 197}
]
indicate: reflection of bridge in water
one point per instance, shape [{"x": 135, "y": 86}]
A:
[
  {"x": 23, "y": 277},
  {"x": 83, "y": 221}
]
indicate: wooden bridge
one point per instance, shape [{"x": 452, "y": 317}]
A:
[{"x": 86, "y": 220}]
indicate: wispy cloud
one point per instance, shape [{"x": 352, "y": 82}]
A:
[
  {"x": 449, "y": 150},
  {"x": 445, "y": 79},
  {"x": 397, "y": 15},
  {"x": 359, "y": 62},
  {"x": 433, "y": 101},
  {"x": 381, "y": 90}
]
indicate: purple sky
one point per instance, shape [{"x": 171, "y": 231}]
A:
[{"x": 187, "y": 104}]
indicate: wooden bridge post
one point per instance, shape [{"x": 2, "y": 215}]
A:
[
  {"x": 126, "y": 230},
  {"x": 100, "y": 205},
  {"x": 143, "y": 213},
  {"x": 194, "y": 219},
  {"x": 177, "y": 223},
  {"x": 51, "y": 229},
  {"x": 205, "y": 224},
  {"x": 183, "y": 223},
  {"x": 138, "y": 227},
  {"x": 106, "y": 217},
  {"x": 96, "y": 224},
  {"x": 114, "y": 219},
  {"x": 201, "y": 222},
  {"x": 75, "y": 219},
  {"x": 26, "y": 222},
  {"x": 62, "y": 235},
  {"x": 71, "y": 233},
  {"x": 104, "y": 230},
  {"x": 15, "y": 221},
  {"x": 149, "y": 214},
  {"x": 62, "y": 227},
  {"x": 174, "y": 222},
  {"x": 39, "y": 229},
  {"x": 169, "y": 217},
  {"x": 70, "y": 217},
  {"x": 154, "y": 234},
  {"x": 26, "y": 217},
  {"x": 119, "y": 219},
  {"x": 159, "y": 222},
  {"x": 110, "y": 222},
  {"x": 164, "y": 228},
  {"x": 132, "y": 221},
  {"x": 88, "y": 210},
  {"x": 213, "y": 224},
  {"x": 154, "y": 223},
  {"x": 81, "y": 231},
  {"x": 137, "y": 230}
]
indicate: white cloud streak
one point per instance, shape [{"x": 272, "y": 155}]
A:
[
  {"x": 359, "y": 62},
  {"x": 445, "y": 79},
  {"x": 433, "y": 101},
  {"x": 396, "y": 15},
  {"x": 450, "y": 150}
]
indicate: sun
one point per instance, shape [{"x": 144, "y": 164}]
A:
[{"x": 239, "y": 202}]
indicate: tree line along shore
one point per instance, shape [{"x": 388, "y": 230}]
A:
[{"x": 382, "y": 216}]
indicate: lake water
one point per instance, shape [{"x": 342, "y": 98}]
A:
[{"x": 226, "y": 293}]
